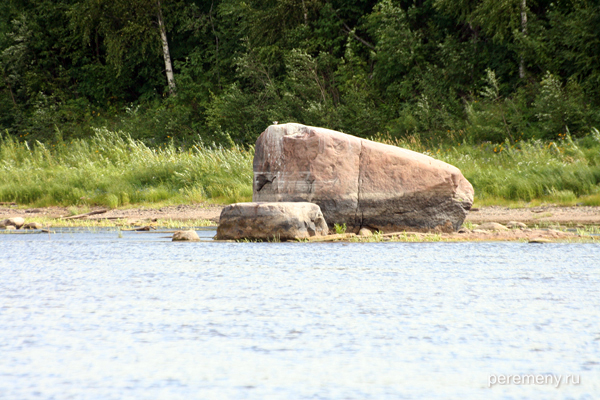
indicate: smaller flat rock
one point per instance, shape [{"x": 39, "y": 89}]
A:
[
  {"x": 271, "y": 221},
  {"x": 185, "y": 236}
]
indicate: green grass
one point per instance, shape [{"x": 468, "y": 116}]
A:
[
  {"x": 340, "y": 229},
  {"x": 113, "y": 170},
  {"x": 524, "y": 173},
  {"x": 589, "y": 230},
  {"x": 49, "y": 222}
]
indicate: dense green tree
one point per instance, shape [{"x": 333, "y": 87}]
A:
[{"x": 455, "y": 70}]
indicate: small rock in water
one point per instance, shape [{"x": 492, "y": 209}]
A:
[
  {"x": 189, "y": 236},
  {"x": 33, "y": 225},
  {"x": 146, "y": 228},
  {"x": 17, "y": 222},
  {"x": 365, "y": 232},
  {"x": 516, "y": 225},
  {"x": 539, "y": 240},
  {"x": 492, "y": 226}
]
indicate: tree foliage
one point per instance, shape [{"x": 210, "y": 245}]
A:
[{"x": 437, "y": 68}]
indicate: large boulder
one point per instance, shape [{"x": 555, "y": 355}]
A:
[
  {"x": 359, "y": 182},
  {"x": 271, "y": 221}
]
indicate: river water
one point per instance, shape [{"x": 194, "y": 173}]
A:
[{"x": 92, "y": 315}]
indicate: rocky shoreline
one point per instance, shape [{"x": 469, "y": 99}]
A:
[
  {"x": 184, "y": 212},
  {"x": 542, "y": 215},
  {"x": 549, "y": 223}
]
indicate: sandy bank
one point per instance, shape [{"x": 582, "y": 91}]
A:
[
  {"x": 543, "y": 215},
  {"x": 535, "y": 218}
]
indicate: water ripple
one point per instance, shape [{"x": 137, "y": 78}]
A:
[{"x": 95, "y": 316}]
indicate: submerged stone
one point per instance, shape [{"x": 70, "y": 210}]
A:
[{"x": 185, "y": 236}]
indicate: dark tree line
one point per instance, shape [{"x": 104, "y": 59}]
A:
[{"x": 475, "y": 70}]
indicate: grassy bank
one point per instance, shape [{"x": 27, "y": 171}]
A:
[
  {"x": 117, "y": 224},
  {"x": 563, "y": 172},
  {"x": 113, "y": 170}
]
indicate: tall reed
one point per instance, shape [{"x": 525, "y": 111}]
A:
[
  {"x": 559, "y": 172},
  {"x": 112, "y": 169}
]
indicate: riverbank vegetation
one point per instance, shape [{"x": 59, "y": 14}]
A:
[
  {"x": 114, "y": 102},
  {"x": 113, "y": 170},
  {"x": 124, "y": 224},
  {"x": 523, "y": 172},
  {"x": 221, "y": 71}
]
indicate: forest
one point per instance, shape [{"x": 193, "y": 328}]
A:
[
  {"x": 220, "y": 71},
  {"x": 114, "y": 101}
]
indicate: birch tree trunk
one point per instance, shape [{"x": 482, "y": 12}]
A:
[
  {"x": 305, "y": 13},
  {"x": 166, "y": 54},
  {"x": 524, "y": 31}
]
